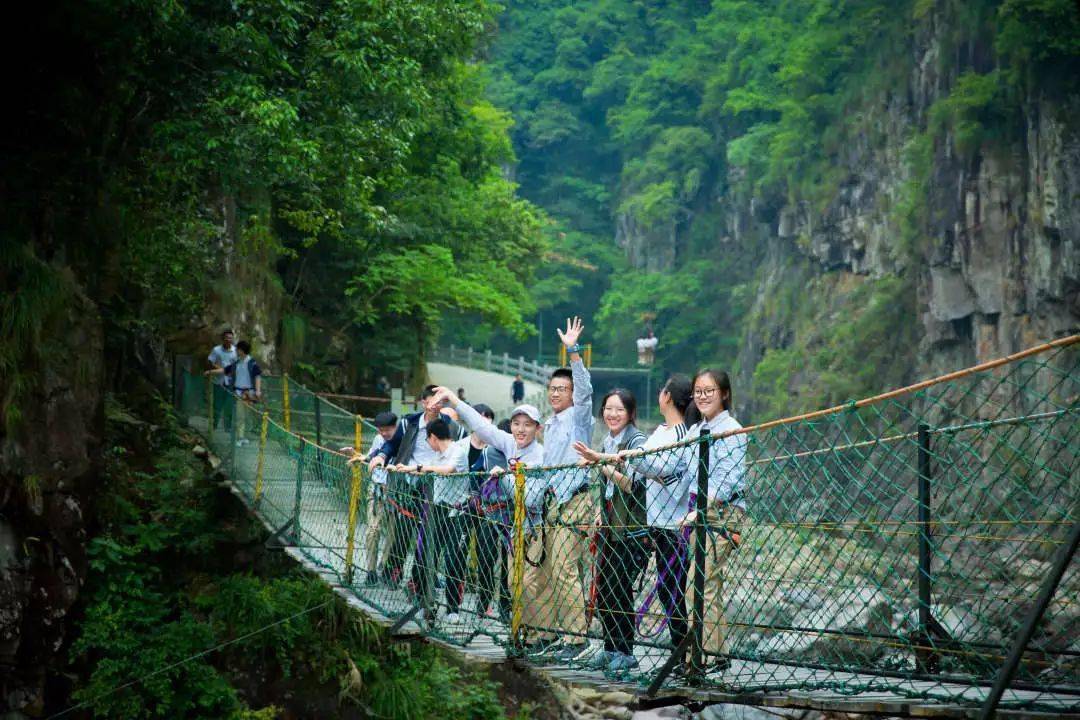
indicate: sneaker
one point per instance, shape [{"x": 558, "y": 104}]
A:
[
  {"x": 600, "y": 660},
  {"x": 570, "y": 651},
  {"x": 622, "y": 662},
  {"x": 541, "y": 647},
  {"x": 452, "y": 617},
  {"x": 588, "y": 653},
  {"x": 718, "y": 666}
]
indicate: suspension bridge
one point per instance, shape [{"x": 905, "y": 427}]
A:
[{"x": 906, "y": 554}]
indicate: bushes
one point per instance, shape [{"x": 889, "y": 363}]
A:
[{"x": 164, "y": 589}]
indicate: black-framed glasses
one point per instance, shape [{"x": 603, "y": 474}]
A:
[{"x": 705, "y": 393}]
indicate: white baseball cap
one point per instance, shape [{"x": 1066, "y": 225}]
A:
[{"x": 528, "y": 411}]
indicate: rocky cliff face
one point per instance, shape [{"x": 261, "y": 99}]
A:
[
  {"x": 48, "y": 468},
  {"x": 998, "y": 266}
]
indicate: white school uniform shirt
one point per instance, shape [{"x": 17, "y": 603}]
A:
[
  {"x": 220, "y": 357},
  {"x": 610, "y": 446},
  {"x": 727, "y": 460},
  {"x": 378, "y": 475},
  {"x": 532, "y": 455},
  {"x": 667, "y": 484},
  {"x": 452, "y": 489},
  {"x": 422, "y": 454},
  {"x": 562, "y": 430}
]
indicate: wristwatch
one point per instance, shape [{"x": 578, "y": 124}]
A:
[{"x": 575, "y": 348}]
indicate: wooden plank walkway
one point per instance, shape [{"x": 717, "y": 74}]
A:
[{"x": 319, "y": 547}]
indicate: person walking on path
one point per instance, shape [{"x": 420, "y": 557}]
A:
[
  {"x": 221, "y": 357},
  {"x": 726, "y": 517},
  {"x": 386, "y": 425},
  {"x": 519, "y": 445},
  {"x": 667, "y": 498},
  {"x": 405, "y": 449},
  {"x": 517, "y": 390},
  {"x": 487, "y": 517},
  {"x": 446, "y": 486},
  {"x": 571, "y": 510},
  {"x": 620, "y": 544}
]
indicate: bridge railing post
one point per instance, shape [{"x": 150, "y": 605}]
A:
[
  {"x": 925, "y": 659},
  {"x": 285, "y": 402},
  {"x": 487, "y": 359},
  {"x": 697, "y": 662},
  {"x": 517, "y": 639},
  {"x": 210, "y": 409},
  {"x": 354, "y": 503},
  {"x": 318, "y": 438},
  {"x": 299, "y": 490},
  {"x": 264, "y": 427}
]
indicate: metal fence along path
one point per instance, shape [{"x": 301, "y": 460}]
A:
[{"x": 910, "y": 553}]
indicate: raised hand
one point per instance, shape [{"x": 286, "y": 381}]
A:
[
  {"x": 573, "y": 332},
  {"x": 443, "y": 394},
  {"x": 377, "y": 461},
  {"x": 587, "y": 454}
]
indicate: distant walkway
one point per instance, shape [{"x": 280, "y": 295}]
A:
[{"x": 482, "y": 386}]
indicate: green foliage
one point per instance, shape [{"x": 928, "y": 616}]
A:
[
  {"x": 165, "y": 608},
  {"x": 26, "y": 317},
  {"x": 660, "y": 116},
  {"x": 971, "y": 108},
  {"x": 862, "y": 343},
  {"x": 225, "y": 151}
]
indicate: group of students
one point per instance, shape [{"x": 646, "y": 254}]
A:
[{"x": 450, "y": 477}]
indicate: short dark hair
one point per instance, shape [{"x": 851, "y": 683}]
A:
[
  {"x": 244, "y": 346},
  {"x": 485, "y": 410},
  {"x": 227, "y": 331},
  {"x": 504, "y": 425},
  {"x": 562, "y": 373},
  {"x": 626, "y": 398},
  {"x": 385, "y": 419},
  {"x": 439, "y": 428},
  {"x": 428, "y": 391}
]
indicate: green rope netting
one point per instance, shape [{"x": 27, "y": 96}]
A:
[{"x": 891, "y": 547}]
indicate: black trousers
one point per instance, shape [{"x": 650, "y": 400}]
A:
[
  {"x": 621, "y": 562},
  {"x": 668, "y": 547},
  {"x": 400, "y": 500},
  {"x": 443, "y": 539},
  {"x": 223, "y": 406},
  {"x": 491, "y": 561}
]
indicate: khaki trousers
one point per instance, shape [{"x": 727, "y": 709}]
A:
[
  {"x": 718, "y": 549},
  {"x": 373, "y": 532},
  {"x": 534, "y": 584},
  {"x": 552, "y": 595},
  {"x": 559, "y": 590}
]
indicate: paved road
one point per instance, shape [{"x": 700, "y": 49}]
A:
[{"x": 482, "y": 386}]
